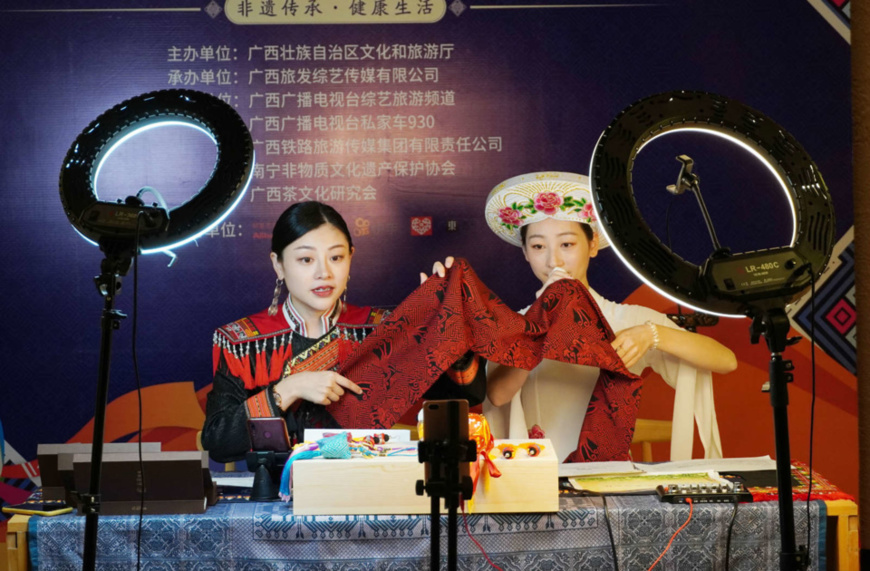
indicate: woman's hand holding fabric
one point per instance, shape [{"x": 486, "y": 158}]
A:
[
  {"x": 320, "y": 387},
  {"x": 556, "y": 274},
  {"x": 438, "y": 268},
  {"x": 631, "y": 344}
]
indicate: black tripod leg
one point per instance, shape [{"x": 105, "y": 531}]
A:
[
  {"x": 452, "y": 533},
  {"x": 789, "y": 558},
  {"x": 110, "y": 320},
  {"x": 774, "y": 325},
  {"x": 435, "y": 548}
]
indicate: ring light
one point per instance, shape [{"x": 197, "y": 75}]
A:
[
  {"x": 123, "y": 229},
  {"x": 727, "y": 285},
  {"x": 158, "y": 230}
]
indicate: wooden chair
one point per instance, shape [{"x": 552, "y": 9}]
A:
[{"x": 647, "y": 431}]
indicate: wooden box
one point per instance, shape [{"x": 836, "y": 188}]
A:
[
  {"x": 387, "y": 485},
  {"x": 527, "y": 484}
]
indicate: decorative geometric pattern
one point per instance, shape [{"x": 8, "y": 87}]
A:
[
  {"x": 842, "y": 317},
  {"x": 835, "y": 312},
  {"x": 843, "y": 8},
  {"x": 268, "y": 537},
  {"x": 457, "y": 7},
  {"x": 838, "y": 13},
  {"x": 213, "y": 9}
]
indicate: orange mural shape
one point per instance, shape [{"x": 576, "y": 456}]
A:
[{"x": 172, "y": 415}]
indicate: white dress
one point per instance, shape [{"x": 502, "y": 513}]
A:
[{"x": 555, "y": 395}]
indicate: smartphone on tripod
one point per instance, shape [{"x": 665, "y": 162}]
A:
[{"x": 436, "y": 429}]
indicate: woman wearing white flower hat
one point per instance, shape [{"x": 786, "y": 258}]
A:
[{"x": 550, "y": 216}]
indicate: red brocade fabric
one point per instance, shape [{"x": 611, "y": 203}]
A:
[
  {"x": 822, "y": 489},
  {"x": 446, "y": 317}
]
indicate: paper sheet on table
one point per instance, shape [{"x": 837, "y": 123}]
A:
[
  {"x": 641, "y": 482},
  {"x": 597, "y": 469},
  {"x": 755, "y": 464}
]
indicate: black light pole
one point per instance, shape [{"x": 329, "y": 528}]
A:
[
  {"x": 116, "y": 264},
  {"x": 774, "y": 325},
  {"x": 125, "y": 229},
  {"x": 771, "y": 322}
]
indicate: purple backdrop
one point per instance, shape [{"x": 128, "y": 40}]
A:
[{"x": 459, "y": 106}]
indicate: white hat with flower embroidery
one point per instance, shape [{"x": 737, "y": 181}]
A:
[{"x": 528, "y": 198}]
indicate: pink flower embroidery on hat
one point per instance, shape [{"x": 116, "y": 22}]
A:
[
  {"x": 548, "y": 202},
  {"x": 510, "y": 216},
  {"x": 532, "y": 197}
]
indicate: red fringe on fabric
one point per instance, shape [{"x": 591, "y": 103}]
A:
[{"x": 445, "y": 317}]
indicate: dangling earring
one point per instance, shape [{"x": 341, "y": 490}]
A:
[
  {"x": 344, "y": 295},
  {"x": 279, "y": 284}
]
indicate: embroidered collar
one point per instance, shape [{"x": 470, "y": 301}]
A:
[{"x": 297, "y": 323}]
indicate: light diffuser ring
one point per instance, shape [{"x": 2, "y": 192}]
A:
[
  {"x": 229, "y": 179},
  {"x": 647, "y": 256}
]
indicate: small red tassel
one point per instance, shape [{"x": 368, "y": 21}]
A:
[
  {"x": 276, "y": 365},
  {"x": 233, "y": 364},
  {"x": 261, "y": 378},
  {"x": 247, "y": 378},
  {"x": 246, "y": 375}
]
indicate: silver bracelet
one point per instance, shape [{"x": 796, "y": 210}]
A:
[{"x": 655, "y": 334}]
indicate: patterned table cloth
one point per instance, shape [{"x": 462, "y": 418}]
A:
[{"x": 268, "y": 537}]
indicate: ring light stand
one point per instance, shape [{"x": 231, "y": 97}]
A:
[
  {"x": 124, "y": 229},
  {"x": 755, "y": 284}
]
